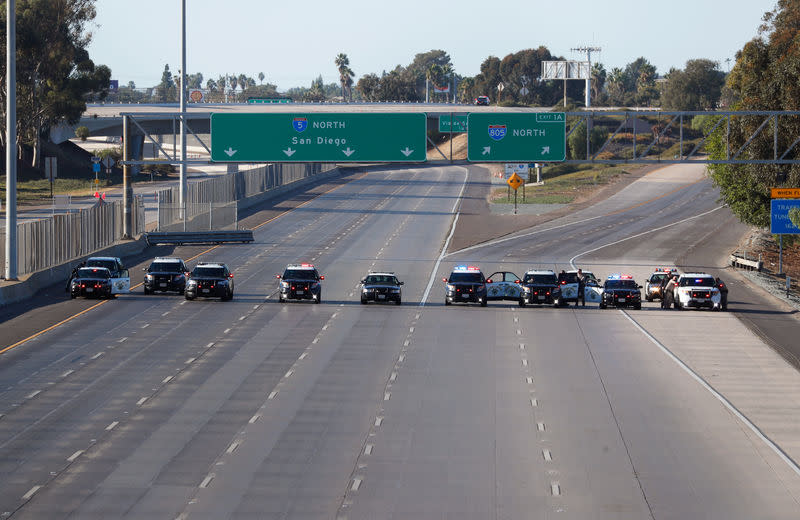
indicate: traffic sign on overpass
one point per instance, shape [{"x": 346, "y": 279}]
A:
[
  {"x": 459, "y": 123},
  {"x": 516, "y": 137},
  {"x": 318, "y": 137},
  {"x": 785, "y": 216}
]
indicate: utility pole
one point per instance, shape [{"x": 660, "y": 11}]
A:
[
  {"x": 11, "y": 140},
  {"x": 183, "y": 110},
  {"x": 588, "y": 51}
]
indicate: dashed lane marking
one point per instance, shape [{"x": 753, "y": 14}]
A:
[
  {"x": 206, "y": 481},
  {"x": 112, "y": 426},
  {"x": 29, "y": 494},
  {"x": 74, "y": 456}
]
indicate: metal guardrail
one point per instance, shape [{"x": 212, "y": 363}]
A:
[
  {"x": 737, "y": 260},
  {"x": 198, "y": 237}
]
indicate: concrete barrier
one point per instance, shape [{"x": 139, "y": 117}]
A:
[{"x": 741, "y": 261}]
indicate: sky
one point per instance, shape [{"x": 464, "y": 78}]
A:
[{"x": 294, "y": 42}]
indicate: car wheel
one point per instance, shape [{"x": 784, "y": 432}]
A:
[
  {"x": 603, "y": 306},
  {"x": 648, "y": 298},
  {"x": 677, "y": 305},
  {"x": 188, "y": 297},
  {"x": 638, "y": 306},
  {"x": 281, "y": 299},
  {"x": 446, "y": 301},
  {"x": 398, "y": 302},
  {"x": 483, "y": 302},
  {"x": 147, "y": 291},
  {"x": 522, "y": 302},
  {"x": 319, "y": 298}
]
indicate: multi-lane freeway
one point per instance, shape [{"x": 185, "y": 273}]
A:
[{"x": 157, "y": 407}]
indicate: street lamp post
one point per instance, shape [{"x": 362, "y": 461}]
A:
[{"x": 11, "y": 141}]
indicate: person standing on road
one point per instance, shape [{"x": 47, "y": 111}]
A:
[
  {"x": 74, "y": 275},
  {"x": 668, "y": 294},
  {"x": 581, "y": 288}
]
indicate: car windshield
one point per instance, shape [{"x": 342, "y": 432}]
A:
[
  {"x": 381, "y": 279},
  {"x": 209, "y": 272},
  {"x": 300, "y": 274},
  {"x": 568, "y": 277},
  {"x": 87, "y": 272},
  {"x": 466, "y": 277},
  {"x": 658, "y": 277},
  {"x": 165, "y": 267},
  {"x": 111, "y": 265},
  {"x": 541, "y": 279},
  {"x": 621, "y": 284},
  {"x": 697, "y": 282}
]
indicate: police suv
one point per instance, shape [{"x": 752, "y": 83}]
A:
[
  {"x": 652, "y": 287},
  {"x": 300, "y": 282},
  {"x": 698, "y": 290},
  {"x": 569, "y": 287},
  {"x": 540, "y": 287},
  {"x": 621, "y": 290},
  {"x": 210, "y": 280},
  {"x": 120, "y": 279},
  {"x": 165, "y": 274},
  {"x": 465, "y": 284}
]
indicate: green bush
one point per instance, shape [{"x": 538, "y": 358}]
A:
[
  {"x": 576, "y": 143},
  {"x": 82, "y": 133}
]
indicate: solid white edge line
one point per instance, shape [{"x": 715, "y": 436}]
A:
[
  {"x": 572, "y": 260},
  {"x": 446, "y": 242},
  {"x": 29, "y": 494},
  {"x": 721, "y": 398}
]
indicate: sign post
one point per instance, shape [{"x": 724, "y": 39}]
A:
[
  {"x": 318, "y": 137},
  {"x": 108, "y": 162},
  {"x": 515, "y": 181},
  {"x": 51, "y": 171},
  {"x": 516, "y": 137}
]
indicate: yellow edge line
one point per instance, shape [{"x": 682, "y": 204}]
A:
[{"x": 20, "y": 342}]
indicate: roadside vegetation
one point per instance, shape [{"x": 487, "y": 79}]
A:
[{"x": 563, "y": 184}]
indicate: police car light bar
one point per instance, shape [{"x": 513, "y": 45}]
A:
[{"x": 466, "y": 268}]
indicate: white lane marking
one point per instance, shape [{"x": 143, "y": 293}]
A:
[
  {"x": 378, "y": 421},
  {"x": 325, "y": 327},
  {"x": 189, "y": 361},
  {"x": 519, "y": 332},
  {"x": 166, "y": 380},
  {"x": 232, "y": 447},
  {"x": 315, "y": 341},
  {"x": 522, "y": 346},
  {"x": 442, "y": 254},
  {"x": 33, "y": 394},
  {"x": 411, "y": 330},
  {"x": 272, "y": 394},
  {"x": 241, "y": 318},
  {"x": 721, "y": 398},
  {"x": 226, "y": 331},
  {"x": 68, "y": 372},
  {"x": 547, "y": 455},
  {"x": 540, "y": 426},
  {"x": 254, "y": 418},
  {"x": 356, "y": 484},
  {"x": 393, "y": 377},
  {"x": 401, "y": 358},
  {"x": 534, "y": 403},
  {"x": 524, "y": 362},
  {"x": 287, "y": 374},
  {"x": 121, "y": 340},
  {"x": 29, "y": 494},
  {"x": 255, "y": 307},
  {"x": 303, "y": 355},
  {"x": 529, "y": 380},
  {"x": 165, "y": 313},
  {"x": 406, "y": 343},
  {"x": 74, "y": 456},
  {"x": 112, "y": 426},
  {"x": 516, "y": 319},
  {"x": 368, "y": 449},
  {"x": 97, "y": 355},
  {"x": 141, "y": 401},
  {"x": 145, "y": 325},
  {"x": 206, "y": 481},
  {"x": 555, "y": 488},
  {"x": 417, "y": 316},
  {"x": 387, "y": 396},
  {"x": 572, "y": 260}
]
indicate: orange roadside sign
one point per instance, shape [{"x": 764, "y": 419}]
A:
[
  {"x": 515, "y": 181},
  {"x": 785, "y": 193}
]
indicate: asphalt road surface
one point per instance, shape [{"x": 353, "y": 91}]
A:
[{"x": 152, "y": 406}]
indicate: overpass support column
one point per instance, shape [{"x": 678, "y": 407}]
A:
[{"x": 127, "y": 189}]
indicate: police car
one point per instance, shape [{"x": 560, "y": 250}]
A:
[
  {"x": 652, "y": 287},
  {"x": 165, "y": 274},
  {"x": 94, "y": 282},
  {"x": 465, "y": 284},
  {"x": 621, "y": 290},
  {"x": 503, "y": 285},
  {"x": 697, "y": 290},
  {"x": 300, "y": 282},
  {"x": 120, "y": 279},
  {"x": 210, "y": 280},
  {"x": 569, "y": 287},
  {"x": 540, "y": 287},
  {"x": 381, "y": 287}
]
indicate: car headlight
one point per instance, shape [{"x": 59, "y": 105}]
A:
[
  {"x": 284, "y": 285},
  {"x": 526, "y": 289},
  {"x": 148, "y": 277},
  {"x": 451, "y": 288},
  {"x": 191, "y": 283},
  {"x": 365, "y": 290}
]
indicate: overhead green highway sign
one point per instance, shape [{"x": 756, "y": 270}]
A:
[
  {"x": 459, "y": 123},
  {"x": 516, "y": 137},
  {"x": 318, "y": 137}
]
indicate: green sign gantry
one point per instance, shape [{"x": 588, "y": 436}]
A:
[
  {"x": 318, "y": 137},
  {"x": 516, "y": 137},
  {"x": 459, "y": 123}
]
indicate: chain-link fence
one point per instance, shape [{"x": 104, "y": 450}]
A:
[{"x": 200, "y": 216}]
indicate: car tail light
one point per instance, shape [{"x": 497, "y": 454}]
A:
[
  {"x": 547, "y": 293},
  {"x": 293, "y": 287},
  {"x": 230, "y": 275},
  {"x": 83, "y": 286}
]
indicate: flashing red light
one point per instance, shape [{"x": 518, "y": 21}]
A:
[{"x": 306, "y": 265}]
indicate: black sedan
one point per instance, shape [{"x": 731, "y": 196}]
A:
[
  {"x": 94, "y": 282},
  {"x": 210, "y": 280},
  {"x": 381, "y": 287},
  {"x": 621, "y": 291}
]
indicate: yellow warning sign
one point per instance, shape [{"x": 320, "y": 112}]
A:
[
  {"x": 515, "y": 181},
  {"x": 97, "y": 181}
]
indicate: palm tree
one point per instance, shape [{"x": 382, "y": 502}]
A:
[
  {"x": 345, "y": 73},
  {"x": 261, "y": 77}
]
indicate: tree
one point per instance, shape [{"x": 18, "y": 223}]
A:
[
  {"x": 766, "y": 77},
  {"x": 261, "y": 77},
  {"x": 82, "y": 133},
  {"x": 345, "y": 73},
  {"x": 577, "y": 141},
  {"x": 698, "y": 87},
  {"x": 167, "y": 86},
  {"x": 55, "y": 75}
]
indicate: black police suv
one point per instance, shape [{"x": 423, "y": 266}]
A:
[
  {"x": 466, "y": 284},
  {"x": 300, "y": 282},
  {"x": 621, "y": 291},
  {"x": 92, "y": 282},
  {"x": 210, "y": 280},
  {"x": 540, "y": 288},
  {"x": 165, "y": 274},
  {"x": 381, "y": 287}
]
